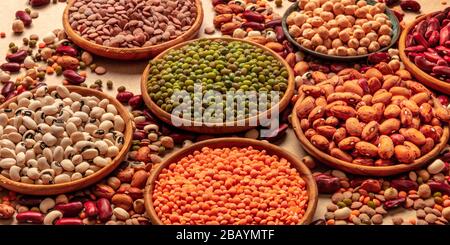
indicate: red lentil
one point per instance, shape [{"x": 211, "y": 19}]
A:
[{"x": 230, "y": 186}]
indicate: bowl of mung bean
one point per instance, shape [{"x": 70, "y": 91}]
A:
[
  {"x": 249, "y": 81},
  {"x": 231, "y": 181},
  {"x": 131, "y": 30},
  {"x": 61, "y": 139}
]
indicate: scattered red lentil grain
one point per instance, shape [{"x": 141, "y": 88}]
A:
[
  {"x": 230, "y": 186},
  {"x": 41, "y": 45},
  {"x": 2, "y": 34}
]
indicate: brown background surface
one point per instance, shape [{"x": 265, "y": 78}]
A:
[{"x": 128, "y": 73}]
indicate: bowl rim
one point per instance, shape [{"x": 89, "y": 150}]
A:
[
  {"x": 424, "y": 77},
  {"x": 166, "y": 117},
  {"x": 361, "y": 169},
  {"x": 395, "y": 36},
  {"x": 185, "y": 35},
  {"x": 271, "y": 149},
  {"x": 54, "y": 189}
]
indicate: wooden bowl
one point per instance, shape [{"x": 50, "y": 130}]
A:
[
  {"x": 360, "y": 169},
  {"x": 235, "y": 142},
  {"x": 217, "y": 128},
  {"x": 130, "y": 53},
  {"x": 420, "y": 75},
  {"x": 55, "y": 189},
  {"x": 388, "y": 12}
]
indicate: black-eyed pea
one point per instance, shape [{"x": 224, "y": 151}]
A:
[
  {"x": 341, "y": 155},
  {"x": 320, "y": 142},
  {"x": 385, "y": 147}
]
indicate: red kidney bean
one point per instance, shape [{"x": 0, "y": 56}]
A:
[
  {"x": 447, "y": 44},
  {"x": 413, "y": 55},
  {"x": 378, "y": 57},
  {"x": 90, "y": 209},
  {"x": 420, "y": 39},
  {"x": 27, "y": 200},
  {"x": 289, "y": 48},
  {"x": 421, "y": 28},
  {"x": 327, "y": 184},
  {"x": 410, "y": 40},
  {"x": 104, "y": 209},
  {"x": 442, "y": 187},
  {"x": 442, "y": 50},
  {"x": 24, "y": 17},
  {"x": 180, "y": 138},
  {"x": 404, "y": 185},
  {"x": 417, "y": 48},
  {"x": 433, "y": 25},
  {"x": 434, "y": 38},
  {"x": 67, "y": 50},
  {"x": 11, "y": 67},
  {"x": 394, "y": 203},
  {"x": 398, "y": 14},
  {"x": 442, "y": 62},
  {"x": 273, "y": 23},
  {"x": 362, "y": 82},
  {"x": 253, "y": 25},
  {"x": 447, "y": 58},
  {"x": 442, "y": 70},
  {"x": 136, "y": 102},
  {"x": 433, "y": 57},
  {"x": 371, "y": 185},
  {"x": 70, "y": 209},
  {"x": 444, "y": 35},
  {"x": 277, "y": 133},
  {"x": 141, "y": 125},
  {"x": 38, "y": 3},
  {"x": 124, "y": 96},
  {"x": 30, "y": 217},
  {"x": 139, "y": 135},
  {"x": 444, "y": 101},
  {"x": 398, "y": 139},
  {"x": 73, "y": 77},
  {"x": 410, "y": 5},
  {"x": 7, "y": 88},
  {"x": 17, "y": 57},
  {"x": 69, "y": 221},
  {"x": 440, "y": 16},
  {"x": 337, "y": 67},
  {"x": 424, "y": 64},
  {"x": 280, "y": 33},
  {"x": 253, "y": 16}
]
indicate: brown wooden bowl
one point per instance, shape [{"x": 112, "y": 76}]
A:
[
  {"x": 130, "y": 53},
  {"x": 420, "y": 75},
  {"x": 360, "y": 169},
  {"x": 217, "y": 128},
  {"x": 234, "y": 142},
  {"x": 55, "y": 189}
]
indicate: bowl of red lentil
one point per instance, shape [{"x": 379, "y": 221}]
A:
[{"x": 231, "y": 181}]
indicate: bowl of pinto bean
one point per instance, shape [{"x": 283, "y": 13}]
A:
[
  {"x": 425, "y": 50},
  {"x": 377, "y": 123}
]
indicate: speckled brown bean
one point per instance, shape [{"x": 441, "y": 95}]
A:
[
  {"x": 339, "y": 154},
  {"x": 385, "y": 147},
  {"x": 404, "y": 154},
  {"x": 414, "y": 135},
  {"x": 320, "y": 142},
  {"x": 366, "y": 149},
  {"x": 370, "y": 131},
  {"x": 353, "y": 127},
  {"x": 389, "y": 126},
  {"x": 348, "y": 143}
]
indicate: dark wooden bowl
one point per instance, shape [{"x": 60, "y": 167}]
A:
[
  {"x": 304, "y": 172},
  {"x": 360, "y": 169},
  {"x": 130, "y": 53},
  {"x": 388, "y": 12},
  {"x": 54, "y": 189},
  {"x": 420, "y": 75},
  {"x": 216, "y": 128}
]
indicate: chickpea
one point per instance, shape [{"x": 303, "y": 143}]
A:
[
  {"x": 343, "y": 23},
  {"x": 361, "y": 13},
  {"x": 351, "y": 52},
  {"x": 306, "y": 26},
  {"x": 364, "y": 42},
  {"x": 321, "y": 49},
  {"x": 308, "y": 13},
  {"x": 362, "y": 51},
  {"x": 326, "y": 16},
  {"x": 334, "y": 33},
  {"x": 382, "y": 15},
  {"x": 373, "y": 10},
  {"x": 328, "y": 6},
  {"x": 316, "y": 40},
  {"x": 389, "y": 23},
  {"x": 310, "y": 6},
  {"x": 290, "y": 19},
  {"x": 307, "y": 44},
  {"x": 384, "y": 40},
  {"x": 375, "y": 25},
  {"x": 300, "y": 19},
  {"x": 369, "y": 17},
  {"x": 358, "y": 33},
  {"x": 327, "y": 43},
  {"x": 333, "y": 23},
  {"x": 322, "y": 2},
  {"x": 338, "y": 8},
  {"x": 381, "y": 7},
  {"x": 380, "y": 20},
  {"x": 394, "y": 65},
  {"x": 361, "y": 3},
  {"x": 317, "y": 11},
  {"x": 336, "y": 43},
  {"x": 300, "y": 39},
  {"x": 353, "y": 43},
  {"x": 372, "y": 36},
  {"x": 295, "y": 31},
  {"x": 308, "y": 33},
  {"x": 385, "y": 30},
  {"x": 367, "y": 27},
  {"x": 350, "y": 9},
  {"x": 347, "y": 2},
  {"x": 316, "y": 21},
  {"x": 323, "y": 32},
  {"x": 393, "y": 51},
  {"x": 360, "y": 22},
  {"x": 351, "y": 19},
  {"x": 374, "y": 46},
  {"x": 344, "y": 35},
  {"x": 302, "y": 4},
  {"x": 332, "y": 51},
  {"x": 341, "y": 51}
]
